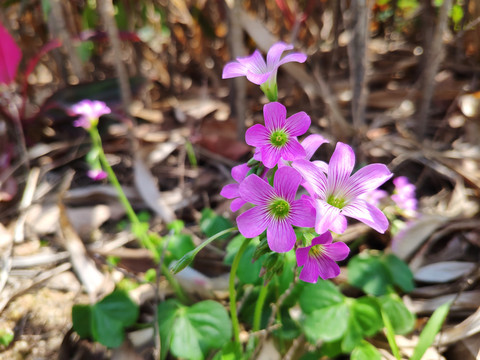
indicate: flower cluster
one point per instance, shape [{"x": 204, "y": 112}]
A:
[{"x": 334, "y": 191}]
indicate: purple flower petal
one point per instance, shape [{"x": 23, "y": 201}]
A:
[
  {"x": 258, "y": 79},
  {"x": 368, "y": 214},
  {"x": 367, "y": 179},
  {"x": 275, "y": 52},
  {"x": 253, "y": 222},
  {"x": 298, "y": 124},
  {"x": 311, "y": 143},
  {"x": 340, "y": 167},
  {"x": 233, "y": 69},
  {"x": 254, "y": 63},
  {"x": 239, "y": 172},
  {"x": 275, "y": 115},
  {"x": 292, "y": 150},
  {"x": 310, "y": 272},
  {"x": 255, "y": 190},
  {"x": 257, "y": 135},
  {"x": 302, "y": 255},
  {"x": 230, "y": 191},
  {"x": 323, "y": 239},
  {"x": 293, "y": 57},
  {"x": 270, "y": 155},
  {"x": 286, "y": 183},
  {"x": 326, "y": 216},
  {"x": 237, "y": 204},
  {"x": 280, "y": 236},
  {"x": 327, "y": 268},
  {"x": 312, "y": 175},
  {"x": 338, "y": 251},
  {"x": 322, "y": 165},
  {"x": 302, "y": 213}
]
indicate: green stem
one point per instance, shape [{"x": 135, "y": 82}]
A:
[
  {"x": 97, "y": 143},
  {"x": 132, "y": 216},
  {"x": 233, "y": 295},
  {"x": 390, "y": 333},
  {"x": 257, "y": 315}
]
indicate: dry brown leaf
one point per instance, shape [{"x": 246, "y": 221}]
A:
[
  {"x": 444, "y": 271},
  {"x": 466, "y": 301},
  {"x": 466, "y": 328},
  {"x": 416, "y": 232},
  {"x": 148, "y": 189}
]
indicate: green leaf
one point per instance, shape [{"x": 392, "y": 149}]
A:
[
  {"x": 427, "y": 336},
  {"x": 365, "y": 351},
  {"x": 82, "y": 320},
  {"x": 248, "y": 272},
  {"x": 366, "y": 314},
  {"x": 189, "y": 332},
  {"x": 401, "y": 318},
  {"x": 106, "y": 330},
  {"x": 353, "y": 335},
  {"x": 166, "y": 315},
  {"x": 227, "y": 352},
  {"x": 110, "y": 316},
  {"x": 212, "y": 322},
  {"x": 119, "y": 306},
  {"x": 327, "y": 324},
  {"x": 319, "y": 295},
  {"x": 211, "y": 223},
  {"x": 401, "y": 273},
  {"x": 369, "y": 273}
]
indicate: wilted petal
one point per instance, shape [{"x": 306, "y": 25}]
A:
[
  {"x": 275, "y": 115},
  {"x": 311, "y": 143},
  {"x": 257, "y": 135},
  {"x": 366, "y": 213},
  {"x": 312, "y": 175},
  {"x": 280, "y": 236},
  {"x": 302, "y": 213},
  {"x": 292, "y": 150},
  {"x": 275, "y": 52},
  {"x": 286, "y": 183},
  {"x": 298, "y": 124},
  {"x": 256, "y": 191},
  {"x": 367, "y": 179},
  {"x": 340, "y": 167},
  {"x": 253, "y": 222},
  {"x": 230, "y": 191},
  {"x": 233, "y": 69}
]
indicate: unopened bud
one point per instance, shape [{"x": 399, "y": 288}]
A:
[{"x": 184, "y": 261}]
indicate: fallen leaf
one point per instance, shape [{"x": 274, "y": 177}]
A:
[{"x": 444, "y": 271}]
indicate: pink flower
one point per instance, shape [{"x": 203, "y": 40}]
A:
[
  {"x": 404, "y": 195},
  {"x": 337, "y": 193},
  {"x": 89, "y": 111},
  {"x": 319, "y": 258},
  {"x": 276, "y": 210},
  {"x": 260, "y": 72},
  {"x": 231, "y": 191},
  {"x": 277, "y": 139},
  {"x": 96, "y": 174}
]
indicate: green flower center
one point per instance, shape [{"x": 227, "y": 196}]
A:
[
  {"x": 278, "y": 138},
  {"x": 336, "y": 202},
  {"x": 316, "y": 251},
  {"x": 279, "y": 208}
]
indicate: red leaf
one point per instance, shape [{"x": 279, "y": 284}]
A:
[{"x": 10, "y": 56}]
